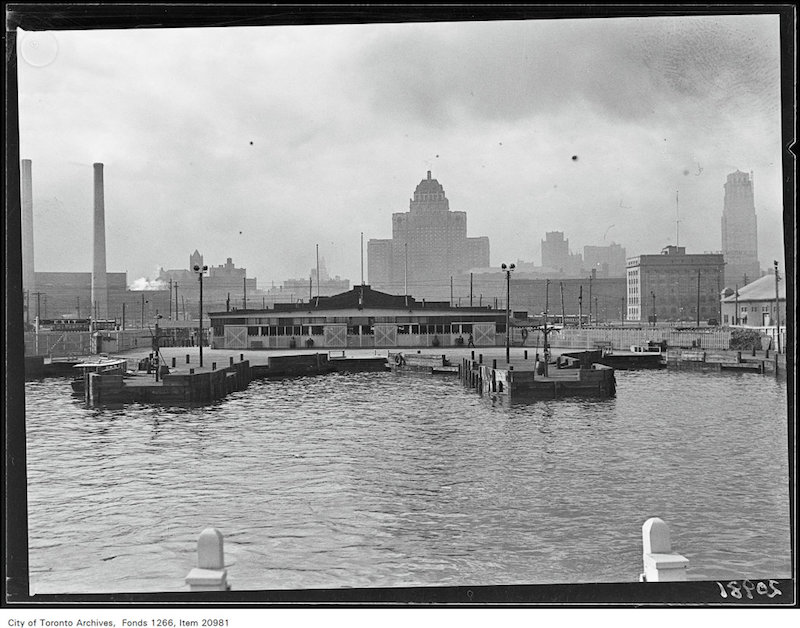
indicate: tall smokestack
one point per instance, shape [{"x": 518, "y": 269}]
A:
[
  {"x": 28, "y": 277},
  {"x": 99, "y": 305}
]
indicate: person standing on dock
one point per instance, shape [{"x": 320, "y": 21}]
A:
[{"x": 470, "y": 341}]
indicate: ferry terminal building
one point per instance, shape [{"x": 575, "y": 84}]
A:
[{"x": 361, "y": 317}]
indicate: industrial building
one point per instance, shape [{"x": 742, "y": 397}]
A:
[{"x": 674, "y": 286}]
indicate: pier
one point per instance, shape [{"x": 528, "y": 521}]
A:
[
  {"x": 571, "y": 374},
  {"x": 180, "y": 378}
]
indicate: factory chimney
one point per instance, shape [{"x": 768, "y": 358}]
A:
[
  {"x": 99, "y": 305},
  {"x": 28, "y": 276}
]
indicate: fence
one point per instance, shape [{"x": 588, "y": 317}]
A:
[
  {"x": 80, "y": 343},
  {"x": 619, "y": 338}
]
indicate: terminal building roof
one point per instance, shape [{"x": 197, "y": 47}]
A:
[{"x": 360, "y": 297}]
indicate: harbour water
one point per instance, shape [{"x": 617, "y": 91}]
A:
[{"x": 387, "y": 479}]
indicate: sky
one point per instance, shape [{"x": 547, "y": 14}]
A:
[{"x": 259, "y": 143}]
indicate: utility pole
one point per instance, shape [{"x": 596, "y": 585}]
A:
[
  {"x": 176, "y": 300},
  {"x": 563, "y": 310},
  {"x": 596, "y": 311},
  {"x": 244, "y": 293},
  {"x": 698, "y": 297},
  {"x": 38, "y": 304},
  {"x": 405, "y": 273},
  {"x": 451, "y": 290},
  {"x": 777, "y": 309},
  {"x": 590, "y": 298},
  {"x": 170, "y": 301},
  {"x": 580, "y": 307},
  {"x": 123, "y": 316},
  {"x": 736, "y": 313},
  {"x": 470, "y": 289}
]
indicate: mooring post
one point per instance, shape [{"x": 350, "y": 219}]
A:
[
  {"x": 231, "y": 360},
  {"x": 494, "y": 364},
  {"x": 661, "y": 564},
  {"x": 187, "y": 358},
  {"x": 210, "y": 573},
  {"x": 241, "y": 357},
  {"x": 480, "y": 358},
  {"x": 213, "y": 366},
  {"x": 174, "y": 362},
  {"x": 526, "y": 354}
]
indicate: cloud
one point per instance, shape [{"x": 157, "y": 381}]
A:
[{"x": 258, "y": 143}]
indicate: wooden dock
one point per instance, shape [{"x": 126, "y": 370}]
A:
[
  {"x": 573, "y": 374},
  {"x": 418, "y": 361},
  {"x": 183, "y": 384},
  {"x": 697, "y": 359}
]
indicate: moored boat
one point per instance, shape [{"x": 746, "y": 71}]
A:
[{"x": 104, "y": 365}]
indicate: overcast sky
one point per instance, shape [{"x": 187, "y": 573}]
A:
[{"x": 258, "y": 143}]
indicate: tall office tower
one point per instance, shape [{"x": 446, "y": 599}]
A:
[
  {"x": 429, "y": 245},
  {"x": 739, "y": 231}
]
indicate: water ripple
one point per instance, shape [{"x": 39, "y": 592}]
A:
[{"x": 386, "y": 480}]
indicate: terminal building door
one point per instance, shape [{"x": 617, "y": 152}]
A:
[
  {"x": 483, "y": 334},
  {"x": 235, "y": 337},
  {"x": 385, "y": 335},
  {"x": 335, "y": 335}
]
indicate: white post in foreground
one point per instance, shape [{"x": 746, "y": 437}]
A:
[
  {"x": 210, "y": 573},
  {"x": 661, "y": 564}
]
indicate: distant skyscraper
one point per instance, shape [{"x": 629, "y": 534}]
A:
[
  {"x": 608, "y": 261},
  {"x": 429, "y": 245},
  {"x": 739, "y": 231},
  {"x": 556, "y": 255}
]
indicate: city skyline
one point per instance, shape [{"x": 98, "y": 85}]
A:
[{"x": 286, "y": 153}]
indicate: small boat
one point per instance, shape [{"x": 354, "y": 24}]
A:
[
  {"x": 650, "y": 356},
  {"x": 104, "y": 365}
]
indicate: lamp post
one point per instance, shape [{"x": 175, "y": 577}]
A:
[
  {"x": 200, "y": 270},
  {"x": 653, "y": 294},
  {"x": 507, "y": 270}
]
